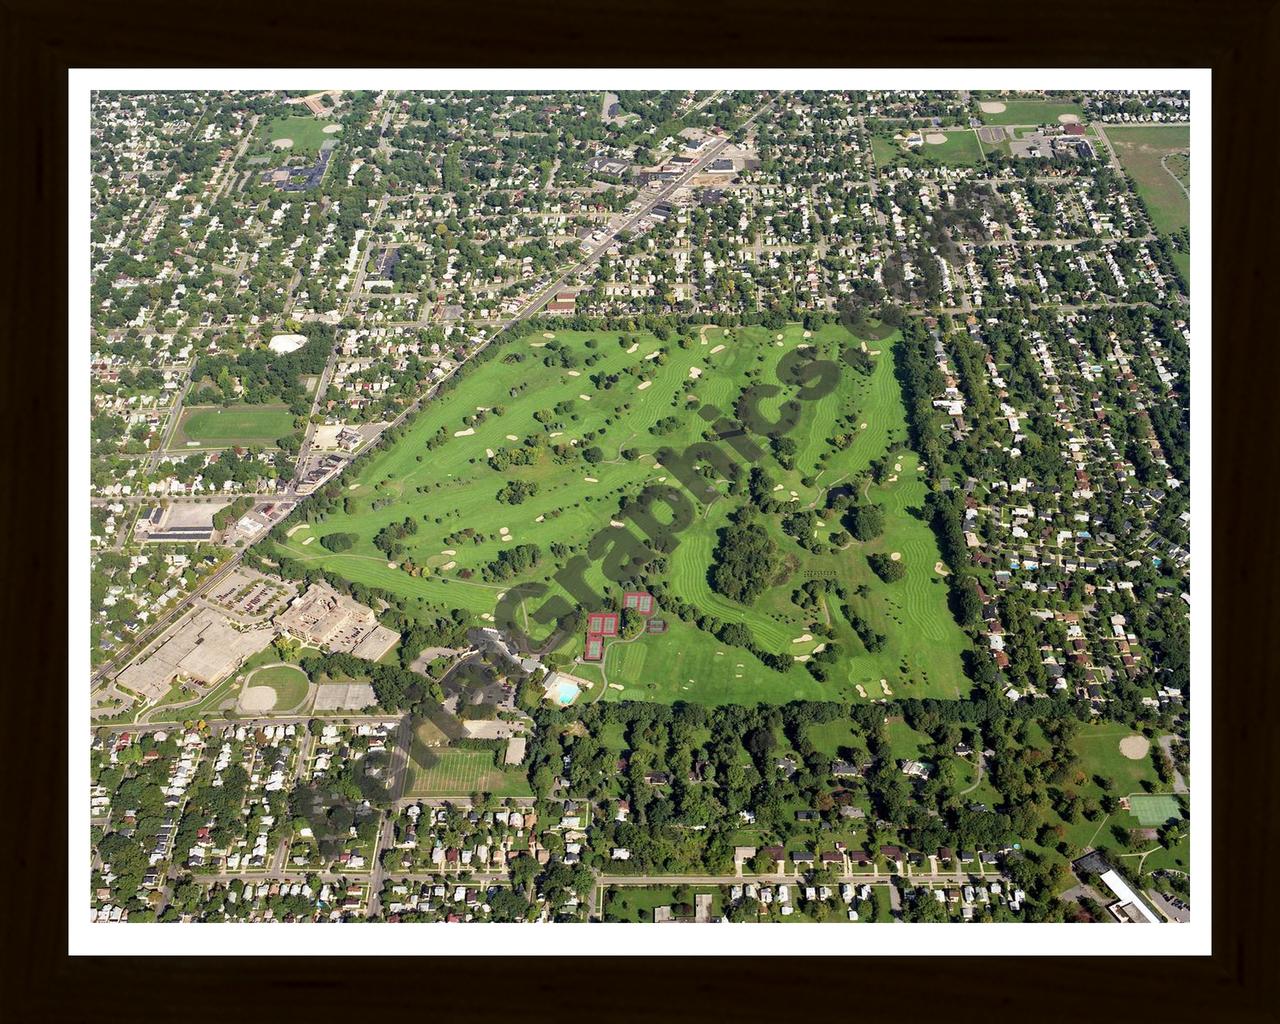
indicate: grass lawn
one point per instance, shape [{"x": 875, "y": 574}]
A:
[
  {"x": 289, "y": 683},
  {"x": 458, "y": 772},
  {"x": 904, "y": 742},
  {"x": 451, "y": 491},
  {"x": 636, "y": 904},
  {"x": 960, "y": 149},
  {"x": 1098, "y": 747},
  {"x": 307, "y": 133},
  {"x": 1141, "y": 149},
  {"x": 219, "y": 427},
  {"x": 1032, "y": 112}
]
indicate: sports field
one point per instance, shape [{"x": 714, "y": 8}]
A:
[
  {"x": 306, "y": 133},
  {"x": 1032, "y": 112},
  {"x": 223, "y": 427},
  {"x": 1163, "y": 185},
  {"x": 289, "y": 683},
  {"x": 457, "y": 772},
  {"x": 960, "y": 149},
  {"x": 1153, "y": 809},
  {"x": 608, "y": 396}
]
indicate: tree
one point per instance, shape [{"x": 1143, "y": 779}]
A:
[
  {"x": 888, "y": 569},
  {"x": 866, "y": 521}
]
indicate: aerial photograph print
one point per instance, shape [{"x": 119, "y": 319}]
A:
[{"x": 601, "y": 506}]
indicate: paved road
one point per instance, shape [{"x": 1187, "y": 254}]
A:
[{"x": 1179, "y": 783}]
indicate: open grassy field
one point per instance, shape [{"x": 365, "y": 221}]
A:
[
  {"x": 1099, "y": 750},
  {"x": 219, "y": 427},
  {"x": 458, "y": 772},
  {"x": 306, "y": 132},
  {"x": 607, "y": 392},
  {"x": 1032, "y": 112},
  {"x": 289, "y": 683},
  {"x": 1141, "y": 150},
  {"x": 960, "y": 149}
]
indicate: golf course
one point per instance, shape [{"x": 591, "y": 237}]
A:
[{"x": 539, "y": 446}]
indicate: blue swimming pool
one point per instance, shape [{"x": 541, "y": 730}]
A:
[{"x": 564, "y": 692}]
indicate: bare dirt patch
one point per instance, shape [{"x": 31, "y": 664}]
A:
[
  {"x": 935, "y": 138},
  {"x": 1068, "y": 119},
  {"x": 992, "y": 107},
  {"x": 258, "y": 698},
  {"x": 1135, "y": 747}
]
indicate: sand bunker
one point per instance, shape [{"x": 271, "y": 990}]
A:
[
  {"x": 617, "y": 525},
  {"x": 800, "y": 657},
  {"x": 615, "y": 686},
  {"x": 778, "y": 337},
  {"x": 282, "y": 144},
  {"x": 540, "y": 519},
  {"x": 585, "y": 398},
  {"x": 803, "y": 638},
  {"x": 862, "y": 426},
  {"x": 329, "y": 129},
  {"x": 896, "y": 556},
  {"x": 777, "y": 487},
  {"x": 897, "y": 467},
  {"x": 294, "y": 529},
  {"x": 643, "y": 384},
  {"x": 861, "y": 691},
  {"x": 574, "y": 373},
  {"x": 935, "y": 138},
  {"x": 885, "y": 687},
  {"x": 718, "y": 348},
  {"x": 447, "y": 566},
  {"x": 488, "y": 453},
  {"x": 548, "y": 334},
  {"x": 464, "y": 433},
  {"x": 353, "y": 487},
  {"x": 391, "y": 565},
  {"x": 695, "y": 372},
  {"x": 512, "y": 437},
  {"x": 808, "y": 334},
  {"x": 941, "y": 569},
  {"x": 307, "y": 541},
  {"x": 1135, "y": 747},
  {"x": 652, "y": 355},
  {"x": 448, "y": 551},
  {"x": 893, "y": 479},
  {"x": 258, "y": 698},
  {"x": 992, "y": 107},
  {"x": 634, "y": 345},
  {"x": 1068, "y": 119},
  {"x": 503, "y": 529},
  {"x": 590, "y": 479}
]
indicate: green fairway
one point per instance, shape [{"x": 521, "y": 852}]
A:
[
  {"x": 289, "y": 683},
  {"x": 1162, "y": 185},
  {"x": 237, "y": 425},
  {"x": 515, "y": 403},
  {"x": 1032, "y": 112},
  {"x": 306, "y": 133},
  {"x": 458, "y": 772}
]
